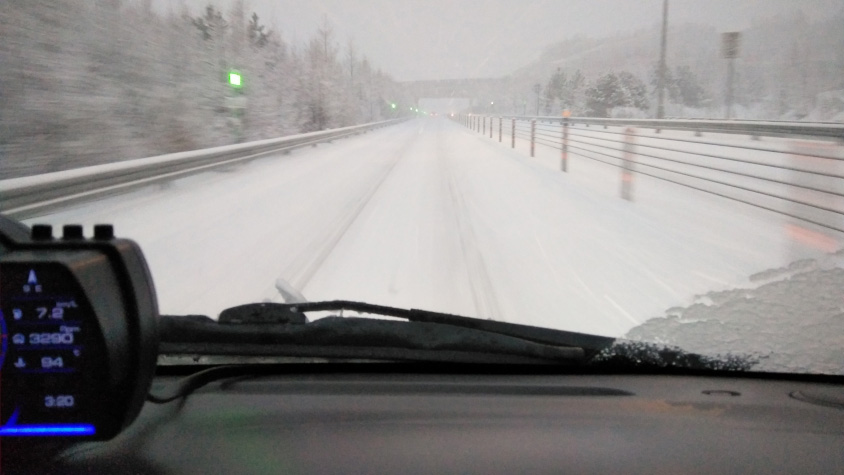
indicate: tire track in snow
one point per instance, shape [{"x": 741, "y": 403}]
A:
[
  {"x": 310, "y": 259},
  {"x": 483, "y": 292}
]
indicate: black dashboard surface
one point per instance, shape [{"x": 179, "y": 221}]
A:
[{"x": 429, "y": 423}]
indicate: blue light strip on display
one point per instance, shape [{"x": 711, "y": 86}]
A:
[{"x": 47, "y": 430}]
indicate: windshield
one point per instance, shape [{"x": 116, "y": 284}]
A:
[{"x": 662, "y": 172}]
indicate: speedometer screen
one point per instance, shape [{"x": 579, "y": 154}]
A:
[{"x": 44, "y": 352}]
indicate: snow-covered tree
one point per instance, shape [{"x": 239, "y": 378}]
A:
[
  {"x": 689, "y": 90},
  {"x": 563, "y": 92},
  {"x": 211, "y": 24},
  {"x": 633, "y": 93},
  {"x": 682, "y": 85},
  {"x": 615, "y": 90},
  {"x": 257, "y": 33},
  {"x": 104, "y": 80}
]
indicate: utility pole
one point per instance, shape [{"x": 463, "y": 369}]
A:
[
  {"x": 728, "y": 112},
  {"x": 660, "y": 88}
]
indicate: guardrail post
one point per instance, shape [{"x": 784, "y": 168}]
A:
[
  {"x": 564, "y": 154},
  {"x": 491, "y": 119},
  {"x": 532, "y": 137},
  {"x": 500, "y": 126},
  {"x": 484, "y": 129},
  {"x": 627, "y": 165},
  {"x": 513, "y": 134}
]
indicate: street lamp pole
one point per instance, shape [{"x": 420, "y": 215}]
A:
[
  {"x": 660, "y": 88},
  {"x": 730, "y": 51}
]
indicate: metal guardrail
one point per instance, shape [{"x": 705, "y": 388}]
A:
[
  {"x": 752, "y": 128},
  {"x": 800, "y": 177},
  {"x": 27, "y": 197}
]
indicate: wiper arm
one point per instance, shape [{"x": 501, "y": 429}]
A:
[
  {"x": 282, "y": 330},
  {"x": 590, "y": 343}
]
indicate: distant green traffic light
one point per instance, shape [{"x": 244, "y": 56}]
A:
[
  {"x": 393, "y": 105},
  {"x": 235, "y": 79}
]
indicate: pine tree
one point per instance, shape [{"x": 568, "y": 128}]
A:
[
  {"x": 689, "y": 90},
  {"x": 602, "y": 95},
  {"x": 672, "y": 92},
  {"x": 554, "y": 90},
  {"x": 615, "y": 90},
  {"x": 633, "y": 91},
  {"x": 212, "y": 25},
  {"x": 256, "y": 33}
]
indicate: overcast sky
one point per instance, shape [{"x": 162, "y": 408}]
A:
[{"x": 438, "y": 39}]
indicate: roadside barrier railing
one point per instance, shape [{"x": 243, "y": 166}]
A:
[
  {"x": 794, "y": 169},
  {"x": 31, "y": 196}
]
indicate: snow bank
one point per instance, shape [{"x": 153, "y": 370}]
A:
[{"x": 792, "y": 322}]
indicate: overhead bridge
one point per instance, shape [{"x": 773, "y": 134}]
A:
[{"x": 477, "y": 91}]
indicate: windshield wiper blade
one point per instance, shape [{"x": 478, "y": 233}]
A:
[
  {"x": 281, "y": 329},
  {"x": 590, "y": 343}
]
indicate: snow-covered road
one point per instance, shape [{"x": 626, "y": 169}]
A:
[{"x": 431, "y": 215}]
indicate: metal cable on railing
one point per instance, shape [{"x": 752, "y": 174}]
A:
[
  {"x": 698, "y": 142},
  {"x": 824, "y": 208},
  {"x": 714, "y": 144},
  {"x": 746, "y": 127},
  {"x": 564, "y": 137},
  {"x": 722, "y": 195},
  {"x": 720, "y": 157},
  {"x": 749, "y": 162},
  {"x": 733, "y": 172}
]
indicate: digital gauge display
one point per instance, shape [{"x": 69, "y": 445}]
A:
[
  {"x": 79, "y": 324},
  {"x": 48, "y": 349}
]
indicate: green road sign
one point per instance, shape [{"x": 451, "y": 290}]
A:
[{"x": 235, "y": 80}]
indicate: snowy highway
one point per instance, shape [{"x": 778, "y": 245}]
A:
[{"x": 431, "y": 215}]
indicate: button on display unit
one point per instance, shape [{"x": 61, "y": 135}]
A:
[{"x": 78, "y": 335}]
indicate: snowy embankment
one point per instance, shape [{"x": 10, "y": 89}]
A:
[{"x": 787, "y": 313}]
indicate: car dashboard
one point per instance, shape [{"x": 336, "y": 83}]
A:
[{"x": 390, "y": 420}]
